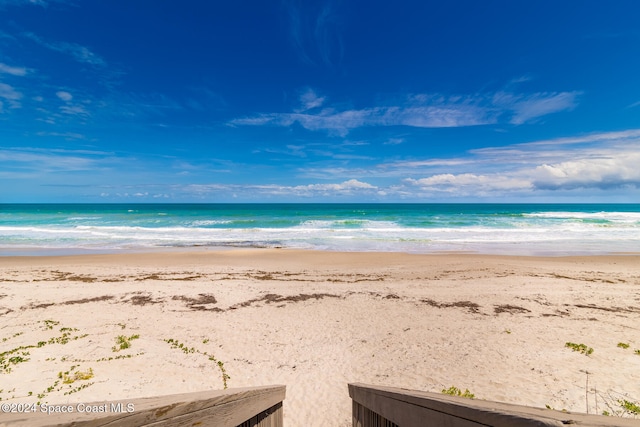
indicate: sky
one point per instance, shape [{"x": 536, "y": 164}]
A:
[{"x": 319, "y": 101}]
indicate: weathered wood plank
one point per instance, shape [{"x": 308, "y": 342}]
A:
[
  {"x": 409, "y": 408},
  {"x": 224, "y": 408}
]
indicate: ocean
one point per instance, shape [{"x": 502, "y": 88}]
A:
[{"x": 511, "y": 229}]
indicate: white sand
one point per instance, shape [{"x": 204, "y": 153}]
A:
[{"x": 315, "y": 321}]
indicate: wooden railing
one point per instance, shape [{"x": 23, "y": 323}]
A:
[
  {"x": 375, "y": 406},
  {"x": 241, "y": 407}
]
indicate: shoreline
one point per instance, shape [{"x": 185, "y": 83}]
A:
[
  {"x": 73, "y": 252},
  {"x": 317, "y": 320}
]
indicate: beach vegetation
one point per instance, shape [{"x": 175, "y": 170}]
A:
[
  {"x": 70, "y": 377},
  {"x": 20, "y": 354},
  {"x": 619, "y": 405},
  {"x": 123, "y": 342},
  {"x": 17, "y": 334},
  {"x": 637, "y": 352},
  {"x": 623, "y": 345},
  {"x": 120, "y": 356},
  {"x": 455, "y": 391},
  {"x": 77, "y": 389},
  {"x": 189, "y": 350},
  {"x": 581, "y": 348},
  {"x": 6, "y": 362},
  {"x": 629, "y": 407},
  {"x": 49, "y": 324}
]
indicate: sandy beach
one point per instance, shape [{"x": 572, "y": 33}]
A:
[{"x": 315, "y": 321}]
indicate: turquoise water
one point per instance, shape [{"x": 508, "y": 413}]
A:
[{"x": 522, "y": 229}]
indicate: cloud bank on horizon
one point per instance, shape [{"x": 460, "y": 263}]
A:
[{"x": 322, "y": 102}]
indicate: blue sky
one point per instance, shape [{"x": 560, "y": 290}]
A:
[{"x": 319, "y": 101}]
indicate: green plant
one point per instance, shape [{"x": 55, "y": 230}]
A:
[
  {"x": 637, "y": 352},
  {"x": 123, "y": 342},
  {"x": 178, "y": 345},
  {"x": 455, "y": 391},
  {"x": 77, "y": 389},
  {"x": 623, "y": 345},
  {"x": 17, "y": 334},
  {"x": 619, "y": 404},
  {"x": 629, "y": 407},
  {"x": 77, "y": 376},
  {"x": 49, "y": 324},
  {"x": 582, "y": 348}
]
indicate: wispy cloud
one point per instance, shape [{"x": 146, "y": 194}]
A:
[
  {"x": 346, "y": 188},
  {"x": 525, "y": 108},
  {"x": 315, "y": 32},
  {"x": 69, "y": 136},
  {"x": 78, "y": 52},
  {"x": 65, "y": 96},
  {"x": 467, "y": 184},
  {"x": 10, "y": 95},
  {"x": 309, "y": 100},
  {"x": 422, "y": 111},
  {"x": 600, "y": 163},
  {"x": 42, "y": 3},
  {"x": 39, "y": 161},
  {"x": 14, "y": 71}
]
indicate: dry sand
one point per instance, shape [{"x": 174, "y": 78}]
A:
[{"x": 316, "y": 321}]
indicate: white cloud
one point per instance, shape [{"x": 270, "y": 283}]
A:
[
  {"x": 346, "y": 188},
  {"x": 341, "y": 122},
  {"x": 11, "y": 95},
  {"x": 472, "y": 184},
  {"x": 65, "y": 96},
  {"x": 66, "y": 135},
  {"x": 610, "y": 172},
  {"x": 314, "y": 30},
  {"x": 78, "y": 52},
  {"x": 606, "y": 166},
  {"x": 74, "y": 110},
  {"x": 422, "y": 111},
  {"x": 14, "y": 71},
  {"x": 528, "y": 107},
  {"x": 309, "y": 100},
  {"x": 40, "y": 161},
  {"x": 625, "y": 135}
]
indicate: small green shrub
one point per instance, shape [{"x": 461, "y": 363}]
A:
[
  {"x": 123, "y": 342},
  {"x": 77, "y": 376},
  {"x": 582, "y": 348},
  {"x": 623, "y": 345},
  {"x": 629, "y": 407},
  {"x": 455, "y": 391}
]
